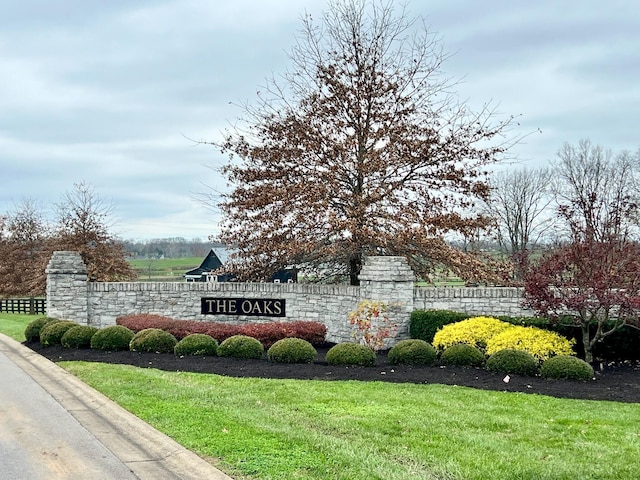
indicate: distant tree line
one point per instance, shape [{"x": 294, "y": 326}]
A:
[
  {"x": 172, "y": 247},
  {"x": 586, "y": 188}
]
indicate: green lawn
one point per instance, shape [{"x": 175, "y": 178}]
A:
[
  {"x": 166, "y": 270},
  {"x": 13, "y": 324},
  {"x": 292, "y": 429}
]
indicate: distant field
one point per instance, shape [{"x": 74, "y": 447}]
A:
[
  {"x": 173, "y": 269},
  {"x": 164, "y": 270}
]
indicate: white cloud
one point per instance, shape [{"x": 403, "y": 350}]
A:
[{"x": 106, "y": 92}]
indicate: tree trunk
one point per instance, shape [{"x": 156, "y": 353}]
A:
[
  {"x": 354, "y": 270},
  {"x": 586, "y": 343}
]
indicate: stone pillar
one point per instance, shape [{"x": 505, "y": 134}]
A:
[
  {"x": 390, "y": 280},
  {"x": 67, "y": 287}
]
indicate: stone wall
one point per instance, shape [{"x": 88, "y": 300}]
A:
[
  {"x": 475, "y": 300},
  {"x": 387, "y": 279},
  {"x": 327, "y": 304}
]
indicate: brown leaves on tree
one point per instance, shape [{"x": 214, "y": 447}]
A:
[
  {"x": 359, "y": 150},
  {"x": 27, "y": 242}
]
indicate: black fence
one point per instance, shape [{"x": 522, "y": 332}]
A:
[{"x": 31, "y": 306}]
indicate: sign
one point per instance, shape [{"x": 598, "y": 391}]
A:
[{"x": 253, "y": 307}]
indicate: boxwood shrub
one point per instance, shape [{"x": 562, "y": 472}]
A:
[
  {"x": 462, "y": 355},
  {"x": 292, "y": 350},
  {"x": 153, "y": 340},
  {"x": 197, "y": 344},
  {"x": 52, "y": 332},
  {"x": 78, "y": 336},
  {"x": 513, "y": 361},
  {"x": 412, "y": 352},
  {"x": 112, "y": 338},
  {"x": 351, "y": 354},
  {"x": 566, "y": 367},
  {"x": 241, "y": 346},
  {"x": 32, "y": 330}
]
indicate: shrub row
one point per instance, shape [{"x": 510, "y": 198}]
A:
[
  {"x": 621, "y": 345},
  {"x": 294, "y": 350},
  {"x": 508, "y": 361},
  {"x": 266, "y": 333},
  {"x": 118, "y": 337}
]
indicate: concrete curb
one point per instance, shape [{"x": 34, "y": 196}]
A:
[{"x": 149, "y": 453}]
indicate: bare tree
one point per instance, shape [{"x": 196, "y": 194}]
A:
[
  {"x": 519, "y": 202},
  {"x": 597, "y": 190},
  {"x": 360, "y": 149}
]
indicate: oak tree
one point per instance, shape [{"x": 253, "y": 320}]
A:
[{"x": 360, "y": 148}]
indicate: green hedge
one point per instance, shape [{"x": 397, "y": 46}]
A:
[
  {"x": 621, "y": 345},
  {"x": 424, "y": 324}
]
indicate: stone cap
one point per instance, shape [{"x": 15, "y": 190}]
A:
[
  {"x": 66, "y": 262},
  {"x": 386, "y": 268}
]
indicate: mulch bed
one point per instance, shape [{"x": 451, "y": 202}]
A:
[{"x": 615, "y": 381}]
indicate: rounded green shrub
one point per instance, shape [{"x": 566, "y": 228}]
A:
[
  {"x": 197, "y": 344},
  {"x": 32, "y": 330},
  {"x": 540, "y": 343},
  {"x": 566, "y": 367},
  {"x": 412, "y": 352},
  {"x": 112, "y": 338},
  {"x": 462, "y": 355},
  {"x": 518, "y": 362},
  {"x": 52, "y": 332},
  {"x": 241, "y": 346},
  {"x": 475, "y": 331},
  {"x": 78, "y": 336},
  {"x": 351, "y": 354},
  {"x": 153, "y": 340},
  {"x": 292, "y": 350}
]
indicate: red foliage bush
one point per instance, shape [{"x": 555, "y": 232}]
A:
[
  {"x": 266, "y": 333},
  {"x": 139, "y": 321}
]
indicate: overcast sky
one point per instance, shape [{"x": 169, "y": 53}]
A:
[{"x": 110, "y": 92}]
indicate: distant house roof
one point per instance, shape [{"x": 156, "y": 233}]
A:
[
  {"x": 209, "y": 264},
  {"x": 216, "y": 258}
]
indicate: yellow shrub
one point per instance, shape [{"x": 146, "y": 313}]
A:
[
  {"x": 540, "y": 343},
  {"x": 475, "y": 331}
]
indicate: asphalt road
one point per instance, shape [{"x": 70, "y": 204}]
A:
[{"x": 52, "y": 426}]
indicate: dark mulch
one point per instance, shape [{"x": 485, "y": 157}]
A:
[{"x": 618, "y": 382}]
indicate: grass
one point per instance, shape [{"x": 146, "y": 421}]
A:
[
  {"x": 164, "y": 270},
  {"x": 13, "y": 324},
  {"x": 292, "y": 429}
]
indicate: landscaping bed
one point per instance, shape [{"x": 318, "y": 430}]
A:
[{"x": 618, "y": 382}]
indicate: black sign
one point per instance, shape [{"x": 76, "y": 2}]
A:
[{"x": 253, "y": 307}]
